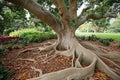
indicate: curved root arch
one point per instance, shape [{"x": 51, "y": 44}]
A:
[{"x": 91, "y": 56}]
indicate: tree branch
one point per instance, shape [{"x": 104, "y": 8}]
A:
[
  {"x": 98, "y": 16},
  {"x": 63, "y": 11},
  {"x": 73, "y": 9},
  {"x": 85, "y": 9},
  {"x": 82, "y": 19},
  {"x": 6, "y": 4},
  {"x": 40, "y": 12}
]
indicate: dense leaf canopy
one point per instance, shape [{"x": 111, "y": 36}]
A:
[{"x": 9, "y": 13}]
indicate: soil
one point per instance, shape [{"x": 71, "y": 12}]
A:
[{"x": 29, "y": 63}]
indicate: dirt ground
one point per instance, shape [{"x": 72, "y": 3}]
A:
[{"x": 29, "y": 63}]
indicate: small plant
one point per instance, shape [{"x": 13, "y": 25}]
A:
[
  {"x": 25, "y": 41},
  {"x": 16, "y": 47},
  {"x": 9, "y": 47},
  {"x": 105, "y": 41},
  {"x": 110, "y": 39}
]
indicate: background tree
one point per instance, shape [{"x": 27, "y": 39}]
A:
[
  {"x": 100, "y": 25},
  {"x": 65, "y": 26},
  {"x": 115, "y": 26},
  {"x": 95, "y": 25},
  {"x": 11, "y": 16}
]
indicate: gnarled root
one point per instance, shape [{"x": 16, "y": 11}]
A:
[
  {"x": 69, "y": 73},
  {"x": 38, "y": 70},
  {"x": 28, "y": 59},
  {"x": 91, "y": 56}
]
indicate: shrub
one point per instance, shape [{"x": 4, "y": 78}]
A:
[
  {"x": 25, "y": 41},
  {"x": 110, "y": 39},
  {"x": 38, "y": 37},
  {"x": 82, "y": 37},
  {"x": 4, "y": 74},
  {"x": 105, "y": 41},
  {"x": 7, "y": 31},
  {"x": 32, "y": 35},
  {"x": 89, "y": 38},
  {"x": 22, "y": 31},
  {"x": 94, "y": 38},
  {"x": 9, "y": 47}
]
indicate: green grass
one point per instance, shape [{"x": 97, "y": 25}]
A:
[{"x": 115, "y": 36}]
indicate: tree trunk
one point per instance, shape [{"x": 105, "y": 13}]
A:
[{"x": 65, "y": 39}]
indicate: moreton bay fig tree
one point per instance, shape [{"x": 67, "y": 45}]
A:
[{"x": 64, "y": 21}]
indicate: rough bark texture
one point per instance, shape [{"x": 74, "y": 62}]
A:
[{"x": 68, "y": 45}]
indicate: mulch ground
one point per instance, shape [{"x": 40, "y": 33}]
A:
[{"x": 24, "y": 69}]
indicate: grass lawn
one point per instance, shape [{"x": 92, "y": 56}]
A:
[{"x": 115, "y": 36}]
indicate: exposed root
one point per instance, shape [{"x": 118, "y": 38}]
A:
[
  {"x": 77, "y": 62},
  {"x": 38, "y": 70},
  {"x": 77, "y": 71},
  {"x": 69, "y": 73},
  {"x": 111, "y": 62},
  {"x": 48, "y": 43},
  {"x": 104, "y": 68},
  {"x": 29, "y": 49},
  {"x": 50, "y": 58},
  {"x": 48, "y": 48},
  {"x": 32, "y": 60}
]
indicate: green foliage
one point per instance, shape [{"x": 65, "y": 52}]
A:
[
  {"x": 115, "y": 26},
  {"x": 9, "y": 15},
  {"x": 86, "y": 27},
  {"x": 25, "y": 41},
  {"x": 9, "y": 47},
  {"x": 22, "y": 31},
  {"x": 114, "y": 36},
  {"x": 89, "y": 38},
  {"x": 7, "y": 31},
  {"x": 95, "y": 38},
  {"x": 32, "y": 35},
  {"x": 5, "y": 75},
  {"x": 43, "y": 27},
  {"x": 102, "y": 23},
  {"x": 105, "y": 41}
]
